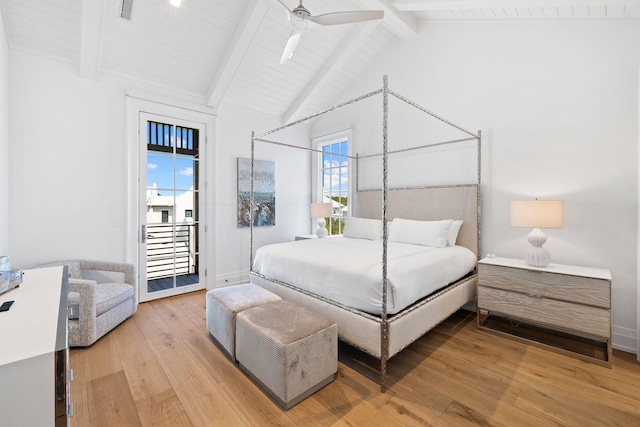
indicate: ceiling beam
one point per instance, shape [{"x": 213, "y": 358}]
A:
[
  {"x": 401, "y": 24},
  {"x": 331, "y": 67},
  {"x": 245, "y": 33},
  {"x": 90, "y": 46},
  {"x": 433, "y": 5}
]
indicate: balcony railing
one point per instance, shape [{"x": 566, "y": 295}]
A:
[{"x": 164, "y": 245}]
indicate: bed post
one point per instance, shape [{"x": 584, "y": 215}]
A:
[
  {"x": 384, "y": 330},
  {"x": 251, "y": 204}
]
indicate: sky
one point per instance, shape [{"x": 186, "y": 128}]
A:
[
  {"x": 160, "y": 171},
  {"x": 335, "y": 167}
]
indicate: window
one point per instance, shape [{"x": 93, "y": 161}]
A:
[
  {"x": 334, "y": 181},
  {"x": 165, "y": 216},
  {"x": 188, "y": 213}
]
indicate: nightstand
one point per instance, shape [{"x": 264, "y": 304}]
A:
[
  {"x": 306, "y": 236},
  {"x": 563, "y": 308}
]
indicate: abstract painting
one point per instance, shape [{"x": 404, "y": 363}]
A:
[{"x": 264, "y": 193}]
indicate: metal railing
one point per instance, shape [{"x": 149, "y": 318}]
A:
[{"x": 166, "y": 244}]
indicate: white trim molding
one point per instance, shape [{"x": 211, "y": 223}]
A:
[{"x": 638, "y": 230}]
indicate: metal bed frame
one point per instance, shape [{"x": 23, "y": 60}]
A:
[{"x": 385, "y": 91}]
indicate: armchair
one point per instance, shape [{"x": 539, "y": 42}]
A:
[{"x": 96, "y": 308}]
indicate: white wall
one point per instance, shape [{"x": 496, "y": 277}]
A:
[
  {"x": 292, "y": 176},
  {"x": 557, "y": 104},
  {"x": 68, "y": 163},
  {"x": 4, "y": 141},
  {"x": 69, "y": 167},
  {"x": 638, "y": 216}
]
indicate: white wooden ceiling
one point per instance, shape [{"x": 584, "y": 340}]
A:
[{"x": 228, "y": 51}]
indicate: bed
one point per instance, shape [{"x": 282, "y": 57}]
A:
[
  {"x": 376, "y": 317},
  {"x": 414, "y": 271}
]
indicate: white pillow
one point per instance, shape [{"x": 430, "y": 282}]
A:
[
  {"x": 426, "y": 233},
  {"x": 453, "y": 232},
  {"x": 363, "y": 228}
]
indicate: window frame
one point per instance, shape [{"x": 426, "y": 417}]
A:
[{"x": 318, "y": 142}]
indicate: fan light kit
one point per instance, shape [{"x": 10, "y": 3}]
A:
[{"x": 301, "y": 15}]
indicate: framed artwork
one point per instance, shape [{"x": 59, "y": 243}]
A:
[{"x": 264, "y": 193}]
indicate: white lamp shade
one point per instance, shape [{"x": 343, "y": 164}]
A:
[
  {"x": 537, "y": 213},
  {"x": 321, "y": 210}
]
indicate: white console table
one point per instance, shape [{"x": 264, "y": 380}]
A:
[{"x": 34, "y": 351}]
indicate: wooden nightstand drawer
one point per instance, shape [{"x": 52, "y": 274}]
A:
[
  {"x": 565, "y": 315},
  {"x": 583, "y": 290}
]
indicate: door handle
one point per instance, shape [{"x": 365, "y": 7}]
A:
[{"x": 143, "y": 234}]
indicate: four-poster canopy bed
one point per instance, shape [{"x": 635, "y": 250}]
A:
[{"x": 383, "y": 319}]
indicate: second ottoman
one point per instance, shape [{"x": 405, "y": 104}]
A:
[{"x": 290, "y": 351}]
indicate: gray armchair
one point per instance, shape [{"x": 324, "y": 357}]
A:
[{"x": 96, "y": 308}]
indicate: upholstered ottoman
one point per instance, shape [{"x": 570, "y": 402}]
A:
[
  {"x": 223, "y": 304},
  {"x": 288, "y": 350}
]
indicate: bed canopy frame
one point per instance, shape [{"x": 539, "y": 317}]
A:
[{"x": 383, "y": 319}]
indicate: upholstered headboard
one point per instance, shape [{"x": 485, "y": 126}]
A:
[{"x": 427, "y": 204}]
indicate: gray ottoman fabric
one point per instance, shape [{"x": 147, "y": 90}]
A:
[
  {"x": 222, "y": 306},
  {"x": 290, "y": 351}
]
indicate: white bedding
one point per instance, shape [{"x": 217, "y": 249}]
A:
[{"x": 349, "y": 271}]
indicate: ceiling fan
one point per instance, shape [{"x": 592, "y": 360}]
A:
[{"x": 300, "y": 15}]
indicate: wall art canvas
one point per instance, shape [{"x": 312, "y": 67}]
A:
[{"x": 264, "y": 191}]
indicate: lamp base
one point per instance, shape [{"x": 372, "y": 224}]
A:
[
  {"x": 321, "y": 231},
  {"x": 536, "y": 255}
]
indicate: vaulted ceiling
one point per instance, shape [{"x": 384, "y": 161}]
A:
[{"x": 228, "y": 51}]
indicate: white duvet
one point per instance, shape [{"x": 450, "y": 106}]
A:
[{"x": 349, "y": 271}]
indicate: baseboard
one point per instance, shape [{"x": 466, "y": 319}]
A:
[
  {"x": 233, "y": 278},
  {"x": 625, "y": 339}
]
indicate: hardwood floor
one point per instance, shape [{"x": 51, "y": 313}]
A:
[{"x": 160, "y": 368}]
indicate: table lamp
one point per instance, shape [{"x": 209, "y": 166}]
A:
[
  {"x": 537, "y": 214},
  {"x": 321, "y": 211}
]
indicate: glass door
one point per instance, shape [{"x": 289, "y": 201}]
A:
[{"x": 170, "y": 207}]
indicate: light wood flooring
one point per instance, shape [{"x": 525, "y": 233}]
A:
[{"x": 160, "y": 368}]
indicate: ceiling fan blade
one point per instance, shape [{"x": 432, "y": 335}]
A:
[
  {"x": 285, "y": 6},
  {"x": 294, "y": 38},
  {"x": 337, "y": 18},
  {"x": 288, "y": 12}
]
